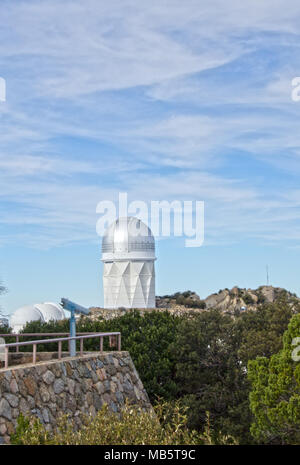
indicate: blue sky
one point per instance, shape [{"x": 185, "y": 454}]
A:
[{"x": 162, "y": 100}]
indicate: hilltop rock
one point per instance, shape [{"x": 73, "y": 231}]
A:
[{"x": 228, "y": 300}]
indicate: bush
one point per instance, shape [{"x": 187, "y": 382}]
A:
[
  {"x": 166, "y": 425},
  {"x": 187, "y": 301},
  {"x": 248, "y": 299}
]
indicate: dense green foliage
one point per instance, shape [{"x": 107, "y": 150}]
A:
[
  {"x": 209, "y": 375},
  {"x": 275, "y": 395},
  {"x": 262, "y": 330},
  {"x": 199, "y": 359},
  {"x": 187, "y": 298},
  {"x": 133, "y": 427}
]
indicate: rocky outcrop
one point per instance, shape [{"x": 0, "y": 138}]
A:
[
  {"x": 226, "y": 300},
  {"x": 73, "y": 386},
  {"x": 237, "y": 298}
]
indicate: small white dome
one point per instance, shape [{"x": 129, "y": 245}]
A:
[
  {"x": 23, "y": 315},
  {"x": 51, "y": 311},
  {"x": 43, "y": 312}
]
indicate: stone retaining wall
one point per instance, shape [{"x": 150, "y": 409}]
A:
[{"x": 74, "y": 386}]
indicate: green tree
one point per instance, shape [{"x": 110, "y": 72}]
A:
[
  {"x": 209, "y": 375},
  {"x": 261, "y": 330},
  {"x": 275, "y": 394}
]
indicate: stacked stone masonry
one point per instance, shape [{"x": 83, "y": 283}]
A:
[{"x": 74, "y": 386}]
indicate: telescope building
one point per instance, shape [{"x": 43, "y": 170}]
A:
[{"x": 128, "y": 255}]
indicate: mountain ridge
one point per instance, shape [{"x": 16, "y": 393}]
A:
[{"x": 228, "y": 300}]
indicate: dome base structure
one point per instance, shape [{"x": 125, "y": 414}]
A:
[
  {"x": 128, "y": 254},
  {"x": 129, "y": 284}
]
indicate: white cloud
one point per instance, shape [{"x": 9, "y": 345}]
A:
[{"x": 166, "y": 91}]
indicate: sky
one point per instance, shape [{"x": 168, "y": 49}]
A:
[{"x": 163, "y": 100}]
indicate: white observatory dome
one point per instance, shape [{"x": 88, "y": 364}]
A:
[
  {"x": 43, "y": 312},
  {"x": 23, "y": 315},
  {"x": 51, "y": 311},
  {"x": 128, "y": 253},
  {"x": 128, "y": 237}
]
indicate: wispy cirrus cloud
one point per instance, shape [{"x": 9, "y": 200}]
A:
[{"x": 160, "y": 100}]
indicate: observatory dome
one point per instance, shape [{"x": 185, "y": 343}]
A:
[
  {"x": 23, "y": 315},
  {"x": 128, "y": 238},
  {"x": 43, "y": 312},
  {"x": 51, "y": 311}
]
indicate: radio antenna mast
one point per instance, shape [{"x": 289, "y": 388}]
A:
[{"x": 267, "y": 267}]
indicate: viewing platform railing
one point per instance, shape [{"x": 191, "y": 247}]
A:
[
  {"x": 21, "y": 335},
  {"x": 80, "y": 337}
]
